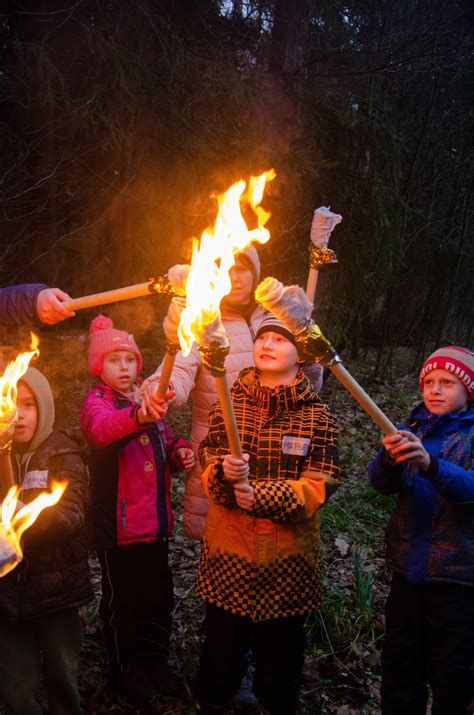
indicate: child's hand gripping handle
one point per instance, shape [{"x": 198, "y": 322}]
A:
[{"x": 236, "y": 471}]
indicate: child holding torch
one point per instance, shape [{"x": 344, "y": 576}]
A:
[
  {"x": 132, "y": 454},
  {"x": 40, "y": 628},
  {"x": 241, "y": 318},
  {"x": 259, "y": 566},
  {"x": 430, "y": 543}
]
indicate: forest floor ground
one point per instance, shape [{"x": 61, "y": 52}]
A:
[{"x": 344, "y": 639}]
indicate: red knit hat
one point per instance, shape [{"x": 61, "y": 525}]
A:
[
  {"x": 104, "y": 338},
  {"x": 458, "y": 361}
]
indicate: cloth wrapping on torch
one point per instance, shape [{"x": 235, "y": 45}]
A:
[
  {"x": 324, "y": 221},
  {"x": 177, "y": 276},
  {"x": 291, "y": 305},
  {"x": 213, "y": 344},
  {"x": 287, "y": 303},
  {"x": 212, "y": 332}
]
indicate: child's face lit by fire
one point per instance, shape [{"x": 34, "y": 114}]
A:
[
  {"x": 276, "y": 358},
  {"x": 120, "y": 370},
  {"x": 27, "y": 422},
  {"x": 443, "y": 393}
]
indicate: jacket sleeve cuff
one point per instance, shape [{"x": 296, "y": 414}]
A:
[
  {"x": 134, "y": 415},
  {"x": 388, "y": 463},
  {"x": 433, "y": 468}
]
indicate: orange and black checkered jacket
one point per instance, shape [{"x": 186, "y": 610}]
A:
[{"x": 264, "y": 562}]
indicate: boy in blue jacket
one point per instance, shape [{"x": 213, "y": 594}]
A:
[{"x": 429, "y": 636}]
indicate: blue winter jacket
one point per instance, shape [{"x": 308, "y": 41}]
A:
[
  {"x": 18, "y": 303},
  {"x": 430, "y": 536}
]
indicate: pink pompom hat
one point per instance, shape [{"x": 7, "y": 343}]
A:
[{"x": 104, "y": 338}]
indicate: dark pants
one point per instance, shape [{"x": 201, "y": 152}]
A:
[
  {"x": 58, "y": 639},
  {"x": 136, "y": 606},
  {"x": 278, "y": 647},
  {"x": 429, "y": 640}
]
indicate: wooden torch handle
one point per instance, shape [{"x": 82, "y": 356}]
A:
[
  {"x": 109, "y": 296},
  {"x": 223, "y": 393},
  {"x": 165, "y": 376},
  {"x": 363, "y": 398},
  {"x": 311, "y": 284}
]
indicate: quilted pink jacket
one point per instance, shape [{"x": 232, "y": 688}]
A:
[
  {"x": 191, "y": 378},
  {"x": 130, "y": 467}
]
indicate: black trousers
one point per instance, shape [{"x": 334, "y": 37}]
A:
[
  {"x": 278, "y": 647},
  {"x": 136, "y": 606},
  {"x": 47, "y": 646},
  {"x": 429, "y": 640}
]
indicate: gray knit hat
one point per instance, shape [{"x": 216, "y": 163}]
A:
[{"x": 270, "y": 324}]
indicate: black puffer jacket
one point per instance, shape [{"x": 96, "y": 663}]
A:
[{"x": 54, "y": 572}]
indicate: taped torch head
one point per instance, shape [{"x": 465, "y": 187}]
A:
[{"x": 290, "y": 305}]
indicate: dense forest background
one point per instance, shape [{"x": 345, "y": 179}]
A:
[{"x": 120, "y": 119}]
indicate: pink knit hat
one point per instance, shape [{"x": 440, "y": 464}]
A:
[
  {"x": 104, "y": 338},
  {"x": 458, "y": 361}
]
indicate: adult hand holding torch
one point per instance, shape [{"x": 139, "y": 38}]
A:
[{"x": 172, "y": 283}]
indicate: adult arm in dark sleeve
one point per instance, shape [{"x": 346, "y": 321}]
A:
[
  {"x": 18, "y": 303},
  {"x": 33, "y": 303}
]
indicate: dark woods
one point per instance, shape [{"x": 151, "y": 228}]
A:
[{"x": 120, "y": 118}]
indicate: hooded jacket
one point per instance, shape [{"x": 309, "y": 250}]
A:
[
  {"x": 264, "y": 562},
  {"x": 191, "y": 378},
  {"x": 430, "y": 536},
  {"x": 54, "y": 572},
  {"x": 18, "y": 303},
  {"x": 130, "y": 471}
]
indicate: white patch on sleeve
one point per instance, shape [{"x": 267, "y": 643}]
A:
[
  {"x": 295, "y": 445},
  {"x": 36, "y": 480}
]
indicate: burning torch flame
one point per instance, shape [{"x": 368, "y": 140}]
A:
[
  {"x": 13, "y": 526},
  {"x": 8, "y": 383},
  {"x": 208, "y": 281}
]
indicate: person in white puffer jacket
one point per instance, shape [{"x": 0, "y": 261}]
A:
[{"x": 242, "y": 318}]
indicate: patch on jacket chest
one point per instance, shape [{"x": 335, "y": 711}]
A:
[
  {"x": 37, "y": 479},
  {"x": 295, "y": 445}
]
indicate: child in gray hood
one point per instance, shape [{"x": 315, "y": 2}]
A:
[{"x": 40, "y": 628}]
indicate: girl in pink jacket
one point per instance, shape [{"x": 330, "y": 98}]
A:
[{"x": 131, "y": 457}]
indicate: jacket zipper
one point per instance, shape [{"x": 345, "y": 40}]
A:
[{"x": 123, "y": 514}]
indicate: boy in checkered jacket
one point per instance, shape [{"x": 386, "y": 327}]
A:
[{"x": 259, "y": 567}]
